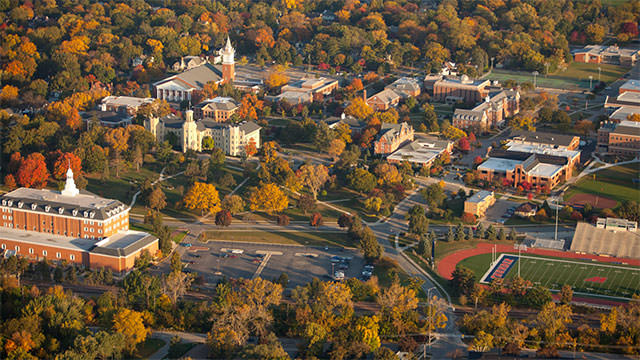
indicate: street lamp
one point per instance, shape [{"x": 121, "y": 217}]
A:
[
  {"x": 546, "y": 65},
  {"x": 590, "y": 82},
  {"x": 492, "y": 58},
  {"x": 424, "y": 348},
  {"x": 535, "y": 74},
  {"x": 599, "y": 69},
  {"x": 556, "y": 232}
]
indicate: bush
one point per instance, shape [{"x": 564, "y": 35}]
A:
[{"x": 468, "y": 218}]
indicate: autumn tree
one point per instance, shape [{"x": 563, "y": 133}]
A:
[
  {"x": 157, "y": 200},
  {"x": 223, "y": 218},
  {"x": 33, "y": 171},
  {"x": 453, "y": 133},
  {"x": 361, "y": 180},
  {"x": 276, "y": 78},
  {"x": 131, "y": 324},
  {"x": 62, "y": 163},
  {"x": 371, "y": 248},
  {"x": 313, "y": 177},
  {"x": 233, "y": 203},
  {"x": 176, "y": 285},
  {"x": 359, "y": 109},
  {"x": 203, "y": 197},
  {"x": 268, "y": 198}
]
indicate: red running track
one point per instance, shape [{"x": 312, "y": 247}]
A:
[{"x": 448, "y": 264}]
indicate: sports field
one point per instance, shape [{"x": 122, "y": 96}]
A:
[
  {"x": 616, "y": 183},
  {"x": 584, "y": 276}
]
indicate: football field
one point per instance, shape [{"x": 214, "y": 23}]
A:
[{"x": 587, "y": 277}]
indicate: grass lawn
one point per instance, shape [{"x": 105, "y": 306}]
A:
[
  {"x": 615, "y": 183},
  {"x": 355, "y": 206},
  {"x": 444, "y": 248},
  {"x": 178, "y": 236},
  {"x": 177, "y": 351},
  {"x": 576, "y": 76},
  {"x": 321, "y": 238},
  {"x": 583, "y": 276},
  {"x": 149, "y": 347}
]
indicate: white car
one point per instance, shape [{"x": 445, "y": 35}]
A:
[{"x": 338, "y": 275}]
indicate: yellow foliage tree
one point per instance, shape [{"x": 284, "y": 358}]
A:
[
  {"x": 9, "y": 92},
  {"x": 388, "y": 174},
  {"x": 156, "y": 45},
  {"x": 359, "y": 108},
  {"x": 343, "y": 131},
  {"x": 367, "y": 329},
  {"x": 453, "y": 133},
  {"x": 634, "y": 117},
  {"x": 131, "y": 324},
  {"x": 78, "y": 45},
  {"x": 336, "y": 147},
  {"x": 268, "y": 198},
  {"x": 203, "y": 197},
  {"x": 276, "y": 79}
]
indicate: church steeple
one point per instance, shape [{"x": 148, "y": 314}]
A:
[{"x": 70, "y": 188}]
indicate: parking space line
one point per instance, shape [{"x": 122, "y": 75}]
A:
[{"x": 265, "y": 259}]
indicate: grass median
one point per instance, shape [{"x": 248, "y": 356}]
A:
[{"x": 312, "y": 238}]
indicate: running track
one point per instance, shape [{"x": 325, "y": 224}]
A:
[{"x": 448, "y": 264}]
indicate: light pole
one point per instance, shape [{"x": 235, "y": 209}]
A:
[
  {"x": 556, "y": 232},
  {"x": 535, "y": 74},
  {"x": 492, "y": 58},
  {"x": 590, "y": 82},
  {"x": 546, "y": 65},
  {"x": 599, "y": 69},
  {"x": 430, "y": 309}
]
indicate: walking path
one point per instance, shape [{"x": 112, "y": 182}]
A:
[{"x": 160, "y": 179}]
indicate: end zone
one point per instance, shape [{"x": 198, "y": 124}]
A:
[{"x": 500, "y": 268}]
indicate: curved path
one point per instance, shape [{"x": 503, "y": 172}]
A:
[{"x": 448, "y": 264}]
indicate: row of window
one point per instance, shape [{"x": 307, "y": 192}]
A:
[
  {"x": 7, "y": 210},
  {"x": 44, "y": 252}
]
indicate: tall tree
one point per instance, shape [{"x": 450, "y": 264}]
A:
[
  {"x": 203, "y": 197},
  {"x": 268, "y": 198},
  {"x": 313, "y": 177}
]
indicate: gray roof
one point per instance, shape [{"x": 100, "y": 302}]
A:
[
  {"x": 479, "y": 196},
  {"x": 386, "y": 96},
  {"x": 105, "y": 116},
  {"x": 84, "y": 205},
  {"x": 219, "y": 103},
  {"x": 197, "y": 77},
  {"x": 544, "y": 138},
  {"x": 627, "y": 127},
  {"x": 124, "y": 243},
  {"x": 249, "y": 127},
  {"x": 172, "y": 121}
]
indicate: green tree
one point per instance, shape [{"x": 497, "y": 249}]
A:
[
  {"x": 361, "y": 180},
  {"x": 463, "y": 280},
  {"x": 369, "y": 245}
]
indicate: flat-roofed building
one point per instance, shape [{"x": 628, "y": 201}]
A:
[
  {"x": 616, "y": 224},
  {"x": 602, "y": 54},
  {"x": 621, "y": 139},
  {"x": 422, "y": 151},
  {"x": 123, "y": 104},
  {"x": 537, "y": 171},
  {"x": 78, "y": 227},
  {"x": 463, "y": 89},
  {"x": 478, "y": 203},
  {"x": 632, "y": 85},
  {"x": 555, "y": 141}
]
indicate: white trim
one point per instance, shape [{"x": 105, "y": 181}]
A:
[{"x": 67, "y": 216}]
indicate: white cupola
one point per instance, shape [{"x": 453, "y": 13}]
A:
[{"x": 70, "y": 188}]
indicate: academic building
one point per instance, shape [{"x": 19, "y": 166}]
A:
[{"x": 81, "y": 228}]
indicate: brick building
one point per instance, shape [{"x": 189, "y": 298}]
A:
[
  {"x": 392, "y": 136},
  {"x": 463, "y": 89},
  {"x": 81, "y": 228},
  {"x": 218, "y": 109},
  {"x": 600, "y": 54},
  {"x": 622, "y": 139},
  {"x": 383, "y": 100},
  {"x": 495, "y": 108},
  {"x": 514, "y": 168}
]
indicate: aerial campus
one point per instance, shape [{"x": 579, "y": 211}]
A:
[{"x": 306, "y": 179}]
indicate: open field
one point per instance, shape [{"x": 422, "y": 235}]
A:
[
  {"x": 587, "y": 277},
  {"x": 322, "y": 238},
  {"x": 576, "y": 76},
  {"x": 615, "y": 183}
]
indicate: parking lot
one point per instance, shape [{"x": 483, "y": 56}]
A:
[
  {"x": 215, "y": 260},
  {"x": 496, "y": 213}
]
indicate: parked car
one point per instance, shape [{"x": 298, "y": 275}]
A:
[{"x": 187, "y": 244}]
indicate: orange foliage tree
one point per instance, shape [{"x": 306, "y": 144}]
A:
[
  {"x": 249, "y": 107},
  {"x": 61, "y": 165},
  {"x": 33, "y": 171}
]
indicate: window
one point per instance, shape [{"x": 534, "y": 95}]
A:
[
  {"x": 30, "y": 251},
  {"x": 58, "y": 255},
  {"x": 72, "y": 257},
  {"x": 17, "y": 248},
  {"x": 3, "y": 246},
  {"x": 91, "y": 230},
  {"x": 85, "y": 229},
  {"x": 44, "y": 252}
]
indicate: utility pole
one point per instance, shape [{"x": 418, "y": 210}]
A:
[
  {"x": 599, "y": 69},
  {"x": 535, "y": 74},
  {"x": 590, "y": 82},
  {"x": 556, "y": 233}
]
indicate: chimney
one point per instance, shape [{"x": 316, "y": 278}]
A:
[{"x": 364, "y": 94}]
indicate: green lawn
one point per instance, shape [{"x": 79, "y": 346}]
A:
[
  {"x": 321, "y": 238},
  {"x": 386, "y": 271},
  {"x": 576, "y": 76},
  {"x": 583, "y": 276},
  {"x": 149, "y": 347},
  {"x": 177, "y": 351},
  {"x": 615, "y": 183}
]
